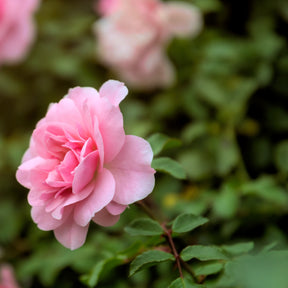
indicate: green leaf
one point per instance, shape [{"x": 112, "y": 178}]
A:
[
  {"x": 187, "y": 222},
  {"x": 281, "y": 156},
  {"x": 184, "y": 283},
  {"x": 149, "y": 258},
  {"x": 226, "y": 202},
  {"x": 102, "y": 266},
  {"x": 266, "y": 188},
  {"x": 239, "y": 248},
  {"x": 203, "y": 253},
  {"x": 169, "y": 166},
  {"x": 210, "y": 268},
  {"x": 197, "y": 162},
  {"x": 145, "y": 227},
  {"x": 160, "y": 142}
]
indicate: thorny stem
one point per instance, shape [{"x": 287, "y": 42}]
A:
[{"x": 168, "y": 236}]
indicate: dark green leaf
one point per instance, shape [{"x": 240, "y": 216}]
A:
[
  {"x": 281, "y": 156},
  {"x": 169, "y": 166},
  {"x": 102, "y": 266},
  {"x": 145, "y": 227},
  {"x": 149, "y": 258},
  {"x": 203, "y": 253},
  {"x": 187, "y": 222}
]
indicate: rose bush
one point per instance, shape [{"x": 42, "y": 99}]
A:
[
  {"x": 132, "y": 37},
  {"x": 7, "y": 279},
  {"x": 16, "y": 28},
  {"x": 81, "y": 166}
]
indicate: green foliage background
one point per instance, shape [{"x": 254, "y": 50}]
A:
[{"x": 228, "y": 116}]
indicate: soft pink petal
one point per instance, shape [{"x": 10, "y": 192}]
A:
[
  {"x": 106, "y": 7},
  {"x": 70, "y": 234},
  {"x": 103, "y": 194},
  {"x": 85, "y": 172},
  {"x": 115, "y": 208},
  {"x": 104, "y": 218},
  {"x": 7, "y": 278},
  {"x": 132, "y": 171},
  {"x": 114, "y": 91},
  {"x": 110, "y": 127},
  {"x": 182, "y": 19},
  {"x": 43, "y": 219},
  {"x": 37, "y": 164}
]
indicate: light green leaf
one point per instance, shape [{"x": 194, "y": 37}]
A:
[
  {"x": 203, "y": 253},
  {"x": 145, "y": 227},
  {"x": 211, "y": 268},
  {"x": 169, "y": 166},
  {"x": 187, "y": 222},
  {"x": 149, "y": 258},
  {"x": 160, "y": 142},
  {"x": 226, "y": 202},
  {"x": 239, "y": 248}
]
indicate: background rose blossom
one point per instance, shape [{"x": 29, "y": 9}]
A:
[
  {"x": 16, "y": 28},
  {"x": 7, "y": 279},
  {"x": 132, "y": 37},
  {"x": 81, "y": 166}
]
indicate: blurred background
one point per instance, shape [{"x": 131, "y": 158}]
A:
[{"x": 227, "y": 109}]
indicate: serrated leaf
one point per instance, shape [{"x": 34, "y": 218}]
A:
[
  {"x": 169, "y": 166},
  {"x": 149, "y": 258},
  {"x": 203, "y": 253},
  {"x": 187, "y": 222},
  {"x": 184, "y": 283},
  {"x": 160, "y": 141},
  {"x": 145, "y": 227},
  {"x": 238, "y": 248}
]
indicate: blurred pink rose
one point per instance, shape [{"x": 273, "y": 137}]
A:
[
  {"x": 132, "y": 37},
  {"x": 16, "y": 28},
  {"x": 81, "y": 166},
  {"x": 7, "y": 279}
]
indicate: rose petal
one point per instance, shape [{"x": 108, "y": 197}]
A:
[
  {"x": 114, "y": 91},
  {"x": 38, "y": 165},
  {"x": 182, "y": 19},
  {"x": 85, "y": 172},
  {"x": 43, "y": 219},
  {"x": 115, "y": 208},
  {"x": 104, "y": 218},
  {"x": 110, "y": 125},
  {"x": 70, "y": 234},
  {"x": 103, "y": 193},
  {"x": 132, "y": 171}
]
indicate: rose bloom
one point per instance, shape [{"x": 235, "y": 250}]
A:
[
  {"x": 16, "y": 28},
  {"x": 133, "y": 35},
  {"x": 81, "y": 166},
  {"x": 7, "y": 279}
]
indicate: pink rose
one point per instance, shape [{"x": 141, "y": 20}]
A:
[
  {"x": 133, "y": 35},
  {"x": 81, "y": 166},
  {"x": 16, "y": 28},
  {"x": 7, "y": 279}
]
